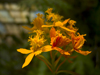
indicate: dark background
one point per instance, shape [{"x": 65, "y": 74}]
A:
[{"x": 12, "y": 36}]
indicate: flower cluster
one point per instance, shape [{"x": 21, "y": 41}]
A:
[{"x": 62, "y": 34}]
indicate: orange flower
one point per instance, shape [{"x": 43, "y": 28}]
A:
[
  {"x": 57, "y": 22},
  {"x": 77, "y": 42},
  {"x": 58, "y": 40},
  {"x": 61, "y": 25}
]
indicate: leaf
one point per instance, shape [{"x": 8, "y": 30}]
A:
[{"x": 82, "y": 65}]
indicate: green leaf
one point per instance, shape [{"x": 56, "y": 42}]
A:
[{"x": 82, "y": 65}]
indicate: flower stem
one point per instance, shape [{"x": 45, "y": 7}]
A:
[
  {"x": 52, "y": 53},
  {"x": 45, "y": 63},
  {"x": 60, "y": 65}
]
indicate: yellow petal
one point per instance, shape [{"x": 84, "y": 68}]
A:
[
  {"x": 24, "y": 51},
  {"x": 47, "y": 25},
  {"x": 64, "y": 22},
  {"x": 67, "y": 29},
  {"x": 61, "y": 51},
  {"x": 28, "y": 59},
  {"x": 38, "y": 52},
  {"x": 58, "y": 23},
  {"x": 47, "y": 48},
  {"x": 83, "y": 52}
]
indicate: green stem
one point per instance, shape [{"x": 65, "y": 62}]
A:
[
  {"x": 60, "y": 65},
  {"x": 45, "y": 63},
  {"x": 53, "y": 61}
]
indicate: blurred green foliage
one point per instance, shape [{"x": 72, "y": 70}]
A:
[{"x": 87, "y": 15}]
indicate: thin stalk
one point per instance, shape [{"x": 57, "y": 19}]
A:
[
  {"x": 60, "y": 65},
  {"x": 45, "y": 63},
  {"x": 52, "y": 54},
  {"x": 56, "y": 62}
]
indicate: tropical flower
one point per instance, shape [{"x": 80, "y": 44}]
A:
[
  {"x": 36, "y": 47},
  {"x": 77, "y": 42},
  {"x": 58, "y": 40}
]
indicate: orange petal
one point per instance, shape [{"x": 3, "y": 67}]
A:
[
  {"x": 61, "y": 51},
  {"x": 52, "y": 32},
  {"x": 72, "y": 37},
  {"x": 80, "y": 42},
  {"x": 47, "y": 48},
  {"x": 28, "y": 59},
  {"x": 83, "y": 52},
  {"x": 52, "y": 40},
  {"x": 63, "y": 41},
  {"x": 24, "y": 51}
]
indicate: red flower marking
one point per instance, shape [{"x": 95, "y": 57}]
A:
[{"x": 57, "y": 41}]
